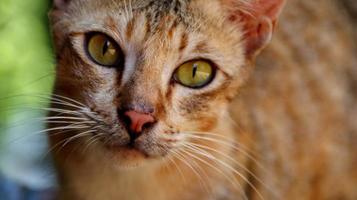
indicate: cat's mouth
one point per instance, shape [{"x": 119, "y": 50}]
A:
[
  {"x": 136, "y": 153},
  {"x": 131, "y": 156}
]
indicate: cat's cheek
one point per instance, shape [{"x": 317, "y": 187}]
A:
[{"x": 203, "y": 120}]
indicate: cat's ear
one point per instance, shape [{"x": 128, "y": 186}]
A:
[
  {"x": 258, "y": 19},
  {"x": 60, "y": 4}
]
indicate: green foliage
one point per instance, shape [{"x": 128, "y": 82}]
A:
[{"x": 26, "y": 63}]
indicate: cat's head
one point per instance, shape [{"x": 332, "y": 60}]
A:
[{"x": 151, "y": 75}]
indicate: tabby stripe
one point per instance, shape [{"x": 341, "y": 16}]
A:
[
  {"x": 130, "y": 28},
  {"x": 147, "y": 27},
  {"x": 172, "y": 29},
  {"x": 201, "y": 47},
  {"x": 184, "y": 42}
]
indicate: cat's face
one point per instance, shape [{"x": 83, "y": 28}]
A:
[{"x": 151, "y": 74}]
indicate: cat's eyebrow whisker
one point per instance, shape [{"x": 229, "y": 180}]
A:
[
  {"x": 131, "y": 9},
  {"x": 239, "y": 165},
  {"x": 210, "y": 156},
  {"x": 126, "y": 10},
  {"x": 193, "y": 151}
]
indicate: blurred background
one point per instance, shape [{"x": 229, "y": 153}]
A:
[{"x": 26, "y": 72}]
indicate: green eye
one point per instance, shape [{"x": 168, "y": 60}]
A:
[
  {"x": 195, "y": 74},
  {"x": 103, "y": 50}
]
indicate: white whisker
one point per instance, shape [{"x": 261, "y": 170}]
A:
[
  {"x": 205, "y": 153},
  {"x": 234, "y": 181}
]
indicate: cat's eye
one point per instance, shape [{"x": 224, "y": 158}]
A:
[
  {"x": 103, "y": 50},
  {"x": 195, "y": 74}
]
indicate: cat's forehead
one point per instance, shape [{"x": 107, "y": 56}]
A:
[
  {"x": 158, "y": 5},
  {"x": 86, "y": 10},
  {"x": 150, "y": 6}
]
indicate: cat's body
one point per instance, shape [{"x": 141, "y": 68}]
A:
[
  {"x": 292, "y": 118},
  {"x": 301, "y": 104}
]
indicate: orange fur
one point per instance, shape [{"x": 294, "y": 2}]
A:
[{"x": 281, "y": 130}]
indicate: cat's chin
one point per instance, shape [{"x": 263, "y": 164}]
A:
[{"x": 128, "y": 158}]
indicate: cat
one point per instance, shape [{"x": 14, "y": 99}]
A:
[{"x": 162, "y": 100}]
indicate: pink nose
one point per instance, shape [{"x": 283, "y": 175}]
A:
[{"x": 138, "y": 120}]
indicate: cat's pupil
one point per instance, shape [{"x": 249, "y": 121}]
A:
[
  {"x": 105, "y": 47},
  {"x": 194, "y": 70}
]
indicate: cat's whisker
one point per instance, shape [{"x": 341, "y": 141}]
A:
[
  {"x": 46, "y": 122},
  {"x": 92, "y": 140},
  {"x": 69, "y": 99},
  {"x": 229, "y": 167},
  {"x": 56, "y": 101},
  {"x": 230, "y": 144},
  {"x": 126, "y": 11},
  {"x": 78, "y": 136},
  {"x": 203, "y": 172},
  {"x": 63, "y": 111},
  {"x": 50, "y": 97},
  {"x": 32, "y": 120},
  {"x": 240, "y": 129},
  {"x": 47, "y": 130},
  {"x": 193, "y": 151},
  {"x": 58, "y": 143},
  {"x": 239, "y": 165},
  {"x": 63, "y": 118},
  {"x": 66, "y": 141},
  {"x": 22, "y": 108},
  {"x": 181, "y": 156},
  {"x": 173, "y": 152},
  {"x": 60, "y": 122},
  {"x": 131, "y": 9},
  {"x": 226, "y": 138},
  {"x": 64, "y": 129},
  {"x": 219, "y": 140}
]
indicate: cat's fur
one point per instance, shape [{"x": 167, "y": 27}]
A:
[{"x": 292, "y": 118}]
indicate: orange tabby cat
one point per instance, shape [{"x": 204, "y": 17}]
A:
[{"x": 147, "y": 91}]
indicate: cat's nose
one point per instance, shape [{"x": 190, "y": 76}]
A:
[{"x": 138, "y": 121}]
